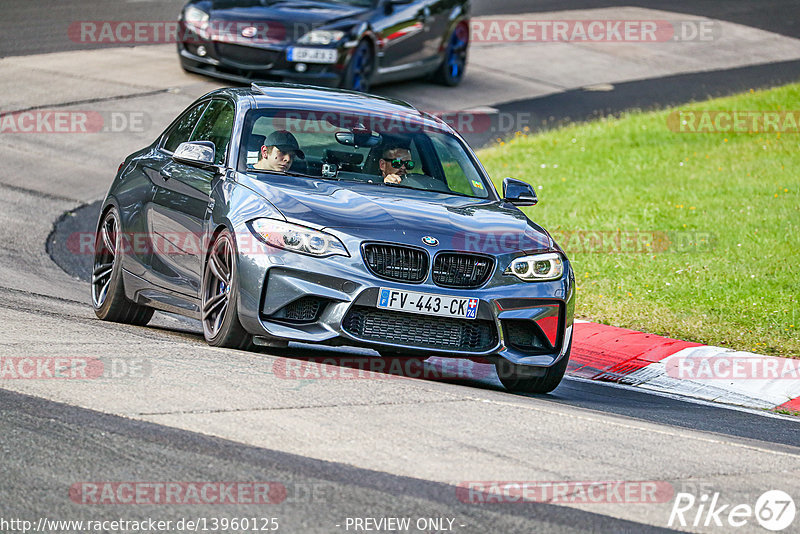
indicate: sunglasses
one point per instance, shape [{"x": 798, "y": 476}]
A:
[{"x": 397, "y": 163}]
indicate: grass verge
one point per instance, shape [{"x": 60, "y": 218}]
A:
[{"x": 689, "y": 235}]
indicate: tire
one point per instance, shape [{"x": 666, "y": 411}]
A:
[
  {"x": 454, "y": 64},
  {"x": 220, "y": 297},
  {"x": 359, "y": 71},
  {"x": 515, "y": 378},
  {"x": 108, "y": 292}
]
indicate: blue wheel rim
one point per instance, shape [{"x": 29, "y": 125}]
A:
[
  {"x": 360, "y": 69},
  {"x": 456, "y": 54}
]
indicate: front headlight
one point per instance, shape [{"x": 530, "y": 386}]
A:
[
  {"x": 297, "y": 238},
  {"x": 196, "y": 17},
  {"x": 321, "y": 37},
  {"x": 537, "y": 267}
]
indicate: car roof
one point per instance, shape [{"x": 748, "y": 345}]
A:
[{"x": 289, "y": 96}]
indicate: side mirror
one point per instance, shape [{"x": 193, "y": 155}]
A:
[
  {"x": 197, "y": 153},
  {"x": 519, "y": 193}
]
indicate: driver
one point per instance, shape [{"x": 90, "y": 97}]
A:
[
  {"x": 278, "y": 152},
  {"x": 395, "y": 163}
]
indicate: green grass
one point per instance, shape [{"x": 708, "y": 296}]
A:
[
  {"x": 729, "y": 205},
  {"x": 785, "y": 412}
]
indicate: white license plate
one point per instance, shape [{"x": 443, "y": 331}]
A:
[
  {"x": 312, "y": 55},
  {"x": 427, "y": 304}
]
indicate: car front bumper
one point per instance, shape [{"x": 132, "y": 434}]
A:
[
  {"x": 274, "y": 67},
  {"x": 272, "y": 279}
]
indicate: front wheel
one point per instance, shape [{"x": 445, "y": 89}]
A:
[
  {"x": 359, "y": 71},
  {"x": 452, "y": 69},
  {"x": 220, "y": 297},
  {"x": 519, "y": 379},
  {"x": 108, "y": 292}
]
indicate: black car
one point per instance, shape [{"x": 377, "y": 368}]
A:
[
  {"x": 325, "y": 216},
  {"x": 333, "y": 43}
]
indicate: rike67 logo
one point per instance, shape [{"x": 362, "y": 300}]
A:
[{"x": 774, "y": 510}]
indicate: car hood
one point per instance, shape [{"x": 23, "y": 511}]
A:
[
  {"x": 302, "y": 13},
  {"x": 380, "y": 213}
]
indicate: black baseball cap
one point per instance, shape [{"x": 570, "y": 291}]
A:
[{"x": 285, "y": 142}]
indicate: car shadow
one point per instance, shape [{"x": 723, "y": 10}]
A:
[{"x": 310, "y": 362}]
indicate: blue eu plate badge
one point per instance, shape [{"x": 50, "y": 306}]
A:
[
  {"x": 472, "y": 308},
  {"x": 384, "y": 299}
]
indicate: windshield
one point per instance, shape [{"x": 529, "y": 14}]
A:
[{"x": 397, "y": 150}]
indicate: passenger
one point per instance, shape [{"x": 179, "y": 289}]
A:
[
  {"x": 279, "y": 152},
  {"x": 395, "y": 163}
]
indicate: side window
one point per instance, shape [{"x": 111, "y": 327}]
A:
[
  {"x": 216, "y": 126},
  {"x": 181, "y": 131},
  {"x": 458, "y": 170},
  {"x": 416, "y": 158}
]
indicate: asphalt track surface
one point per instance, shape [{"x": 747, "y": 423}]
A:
[
  {"x": 319, "y": 495},
  {"x": 46, "y": 446}
]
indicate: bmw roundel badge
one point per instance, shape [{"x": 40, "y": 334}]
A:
[{"x": 430, "y": 241}]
